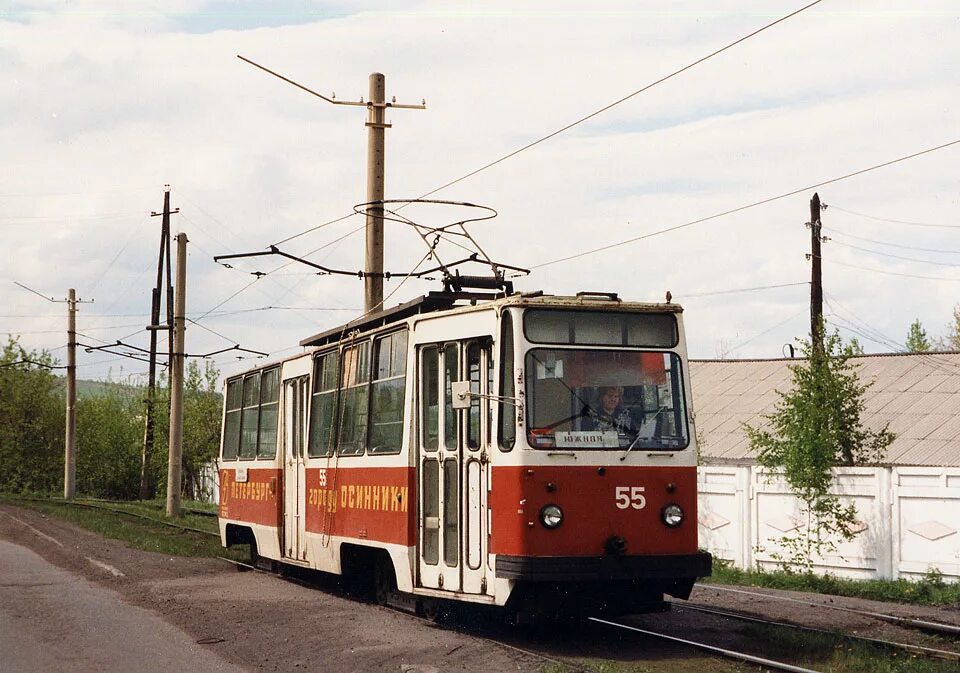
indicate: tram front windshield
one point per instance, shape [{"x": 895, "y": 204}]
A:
[{"x": 605, "y": 399}]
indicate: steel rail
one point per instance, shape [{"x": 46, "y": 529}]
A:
[
  {"x": 909, "y": 622},
  {"x": 914, "y": 649},
  {"x": 730, "y": 654}
]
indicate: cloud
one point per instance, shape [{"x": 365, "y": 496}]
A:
[{"x": 105, "y": 103}]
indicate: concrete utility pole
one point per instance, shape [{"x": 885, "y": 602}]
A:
[
  {"x": 175, "y": 459},
  {"x": 376, "y": 106},
  {"x": 70, "y": 442},
  {"x": 376, "y": 127},
  {"x": 816, "y": 278}
]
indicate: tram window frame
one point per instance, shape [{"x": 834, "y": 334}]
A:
[
  {"x": 675, "y": 389},
  {"x": 506, "y": 407},
  {"x": 632, "y": 328},
  {"x": 354, "y": 397},
  {"x": 250, "y": 413},
  {"x": 473, "y": 358},
  {"x": 451, "y": 374},
  {"x": 429, "y": 391},
  {"x": 232, "y": 410},
  {"x": 326, "y": 389},
  {"x": 268, "y": 432},
  {"x": 389, "y": 373}
]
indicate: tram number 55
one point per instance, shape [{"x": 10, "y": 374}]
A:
[{"x": 631, "y": 496}]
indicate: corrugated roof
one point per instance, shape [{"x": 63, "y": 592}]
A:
[{"x": 917, "y": 394}]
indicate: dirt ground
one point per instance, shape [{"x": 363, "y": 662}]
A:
[{"x": 267, "y": 623}]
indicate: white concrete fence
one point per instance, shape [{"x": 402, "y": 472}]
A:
[{"x": 907, "y": 519}]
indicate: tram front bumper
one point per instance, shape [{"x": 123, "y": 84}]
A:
[{"x": 603, "y": 568}]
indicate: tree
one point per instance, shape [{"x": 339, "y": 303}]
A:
[
  {"x": 917, "y": 341},
  {"x": 202, "y": 408},
  {"x": 952, "y": 340},
  {"x": 814, "y": 428},
  {"x": 31, "y": 421},
  {"x": 856, "y": 348}
]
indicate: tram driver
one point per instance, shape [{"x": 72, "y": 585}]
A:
[{"x": 611, "y": 415}]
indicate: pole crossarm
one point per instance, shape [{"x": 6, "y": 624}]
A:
[
  {"x": 333, "y": 98},
  {"x": 237, "y": 347}
]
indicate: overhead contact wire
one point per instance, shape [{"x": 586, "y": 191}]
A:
[
  {"x": 748, "y": 206},
  {"x": 624, "y": 99}
]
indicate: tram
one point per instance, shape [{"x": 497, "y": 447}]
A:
[{"x": 526, "y": 451}]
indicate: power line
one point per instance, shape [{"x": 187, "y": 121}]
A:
[
  {"x": 624, "y": 99},
  {"x": 770, "y": 329},
  {"x": 886, "y": 219},
  {"x": 893, "y": 273},
  {"x": 833, "y": 232},
  {"x": 741, "y": 289},
  {"x": 749, "y": 205},
  {"x": 311, "y": 229},
  {"x": 582, "y": 119},
  {"x": 887, "y": 254}
]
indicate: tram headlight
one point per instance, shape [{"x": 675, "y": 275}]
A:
[
  {"x": 672, "y": 515},
  {"x": 551, "y": 516}
]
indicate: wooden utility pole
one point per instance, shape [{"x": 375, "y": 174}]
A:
[
  {"x": 70, "y": 440},
  {"x": 175, "y": 458},
  {"x": 816, "y": 277},
  {"x": 163, "y": 262},
  {"x": 376, "y": 127}
]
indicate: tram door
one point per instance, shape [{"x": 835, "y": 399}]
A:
[
  {"x": 296, "y": 395},
  {"x": 453, "y": 476}
]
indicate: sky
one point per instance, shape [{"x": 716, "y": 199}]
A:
[{"x": 105, "y": 103}]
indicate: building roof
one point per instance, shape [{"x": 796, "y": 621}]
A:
[{"x": 918, "y": 394}]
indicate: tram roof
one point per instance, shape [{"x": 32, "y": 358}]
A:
[{"x": 442, "y": 301}]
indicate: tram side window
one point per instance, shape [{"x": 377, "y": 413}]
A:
[
  {"x": 356, "y": 384},
  {"x": 451, "y": 371},
  {"x": 269, "y": 417},
  {"x": 386, "y": 412},
  {"x": 473, "y": 413},
  {"x": 507, "y": 432},
  {"x": 323, "y": 406},
  {"x": 231, "y": 419},
  {"x": 250, "y": 416},
  {"x": 429, "y": 399}
]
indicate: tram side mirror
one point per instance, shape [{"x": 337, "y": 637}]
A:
[{"x": 460, "y": 391}]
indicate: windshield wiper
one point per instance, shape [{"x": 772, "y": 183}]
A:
[{"x": 639, "y": 437}]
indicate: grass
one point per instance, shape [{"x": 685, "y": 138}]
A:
[
  {"x": 929, "y": 590},
  {"x": 148, "y": 534},
  {"x": 838, "y": 654}
]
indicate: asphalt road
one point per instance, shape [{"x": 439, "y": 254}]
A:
[{"x": 53, "y": 620}]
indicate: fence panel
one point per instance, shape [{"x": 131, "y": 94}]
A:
[
  {"x": 776, "y": 512},
  {"x": 926, "y": 518},
  {"x": 723, "y": 512}
]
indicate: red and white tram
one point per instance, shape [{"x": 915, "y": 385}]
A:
[{"x": 528, "y": 451}]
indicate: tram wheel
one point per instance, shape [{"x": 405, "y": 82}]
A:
[
  {"x": 384, "y": 581},
  {"x": 432, "y": 609}
]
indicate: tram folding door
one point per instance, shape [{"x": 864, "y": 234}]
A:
[
  {"x": 453, "y": 446},
  {"x": 296, "y": 395}
]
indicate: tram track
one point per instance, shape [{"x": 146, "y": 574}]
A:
[
  {"x": 940, "y": 628},
  {"x": 947, "y": 655},
  {"x": 726, "y": 653}
]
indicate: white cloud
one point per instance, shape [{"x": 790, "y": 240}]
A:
[{"x": 104, "y": 104}]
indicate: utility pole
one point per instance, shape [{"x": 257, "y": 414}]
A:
[
  {"x": 70, "y": 442},
  {"x": 175, "y": 458},
  {"x": 376, "y": 105},
  {"x": 376, "y": 127},
  {"x": 816, "y": 277},
  {"x": 163, "y": 261},
  {"x": 70, "y": 433}
]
